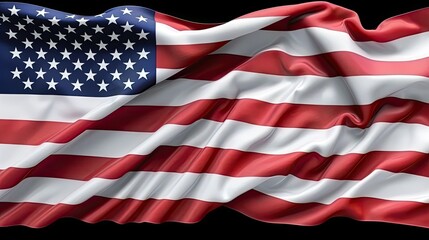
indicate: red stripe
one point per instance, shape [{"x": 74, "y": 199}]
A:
[
  {"x": 180, "y": 56},
  {"x": 214, "y": 67},
  {"x": 97, "y": 209},
  {"x": 267, "y": 114},
  {"x": 330, "y": 16},
  {"x": 227, "y": 162},
  {"x": 22, "y": 132},
  {"x": 253, "y": 204},
  {"x": 180, "y": 24},
  {"x": 269, "y": 209},
  {"x": 151, "y": 118},
  {"x": 324, "y": 15},
  {"x": 37, "y": 132}
]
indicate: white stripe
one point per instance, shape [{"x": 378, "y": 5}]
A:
[
  {"x": 166, "y": 35},
  {"x": 135, "y": 185},
  {"x": 14, "y": 155},
  {"x": 358, "y": 90},
  {"x": 164, "y": 73},
  {"x": 230, "y": 135},
  {"x": 317, "y": 90},
  {"x": 255, "y": 138},
  {"x": 314, "y": 40},
  {"x": 218, "y": 188},
  {"x": 379, "y": 184},
  {"x": 58, "y": 108}
]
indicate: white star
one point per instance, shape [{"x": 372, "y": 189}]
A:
[
  {"x": 20, "y": 26},
  {"x": 40, "y": 74},
  {"x": 29, "y": 63},
  {"x": 66, "y": 54},
  {"x": 28, "y": 20},
  {"x": 52, "y": 84},
  {"x": 28, "y": 44},
  {"x": 99, "y": 15},
  {"x": 65, "y": 74},
  {"x": 126, "y": 11},
  {"x": 142, "y": 34},
  {"x": 54, "y": 21},
  {"x": 82, "y": 21},
  {"x": 127, "y": 27},
  {"x": 41, "y": 54},
  {"x": 116, "y": 55},
  {"x": 16, "y": 73},
  {"x": 77, "y": 85},
  {"x": 77, "y": 64},
  {"x": 141, "y": 18},
  {"x": 98, "y": 29},
  {"x": 129, "y": 64},
  {"x": 4, "y": 18},
  {"x": 90, "y": 55},
  {"x": 143, "y": 74},
  {"x": 116, "y": 75},
  {"x": 41, "y": 12},
  {"x": 114, "y": 36},
  {"x": 143, "y": 54},
  {"x": 61, "y": 36},
  {"x": 102, "y": 45},
  {"x": 70, "y": 29},
  {"x": 16, "y": 53},
  {"x": 53, "y": 64},
  {"x": 36, "y": 35},
  {"x": 86, "y": 37},
  {"x": 129, "y": 44},
  {"x": 28, "y": 84},
  {"x": 112, "y": 19},
  {"x": 90, "y": 75},
  {"x": 103, "y": 86},
  {"x": 77, "y": 45},
  {"x": 12, "y": 34},
  {"x": 44, "y": 28},
  {"x": 14, "y": 10},
  {"x": 52, "y": 44},
  {"x": 71, "y": 16},
  {"x": 128, "y": 84},
  {"x": 103, "y": 65}
]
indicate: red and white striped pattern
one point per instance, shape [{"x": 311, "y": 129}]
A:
[{"x": 292, "y": 115}]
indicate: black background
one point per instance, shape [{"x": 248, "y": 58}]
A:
[{"x": 219, "y": 221}]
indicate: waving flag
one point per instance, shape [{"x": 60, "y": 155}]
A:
[{"x": 293, "y": 115}]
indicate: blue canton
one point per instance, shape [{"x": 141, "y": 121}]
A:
[{"x": 44, "y": 51}]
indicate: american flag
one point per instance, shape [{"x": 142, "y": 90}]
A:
[{"x": 293, "y": 114}]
